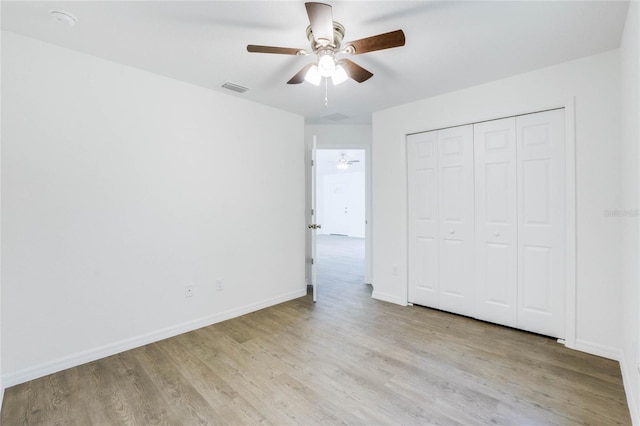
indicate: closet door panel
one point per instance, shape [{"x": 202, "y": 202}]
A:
[
  {"x": 541, "y": 228},
  {"x": 456, "y": 248},
  {"x": 537, "y": 285},
  {"x": 496, "y": 221},
  {"x": 452, "y": 275},
  {"x": 423, "y": 218}
]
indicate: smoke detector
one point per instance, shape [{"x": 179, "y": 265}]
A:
[{"x": 64, "y": 17}]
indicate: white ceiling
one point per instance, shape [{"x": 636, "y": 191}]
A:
[{"x": 450, "y": 44}]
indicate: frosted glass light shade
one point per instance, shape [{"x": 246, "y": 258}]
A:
[
  {"x": 313, "y": 76},
  {"x": 339, "y": 75},
  {"x": 326, "y": 64}
]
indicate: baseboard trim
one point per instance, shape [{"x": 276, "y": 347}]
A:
[
  {"x": 41, "y": 370},
  {"x": 388, "y": 298},
  {"x": 628, "y": 371},
  {"x": 598, "y": 349}
]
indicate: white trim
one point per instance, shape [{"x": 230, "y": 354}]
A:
[
  {"x": 632, "y": 400},
  {"x": 597, "y": 349},
  {"x": 571, "y": 187},
  {"x": 388, "y": 298},
  {"x": 404, "y": 221},
  {"x": 570, "y": 206},
  {"x": 80, "y": 358},
  {"x": 313, "y": 217}
]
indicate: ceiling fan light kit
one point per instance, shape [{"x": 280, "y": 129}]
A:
[
  {"x": 325, "y": 36},
  {"x": 343, "y": 162},
  {"x": 326, "y": 62},
  {"x": 314, "y": 75}
]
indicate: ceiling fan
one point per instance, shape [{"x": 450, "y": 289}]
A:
[
  {"x": 343, "y": 162},
  {"x": 325, "y": 36}
]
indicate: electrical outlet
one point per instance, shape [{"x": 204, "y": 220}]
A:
[
  {"x": 188, "y": 291},
  {"x": 219, "y": 285}
]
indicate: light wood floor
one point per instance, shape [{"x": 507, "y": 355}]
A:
[{"x": 346, "y": 359}]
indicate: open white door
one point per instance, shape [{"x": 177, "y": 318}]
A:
[{"x": 313, "y": 226}]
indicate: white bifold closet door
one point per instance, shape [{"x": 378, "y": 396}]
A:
[
  {"x": 422, "y": 157},
  {"x": 520, "y": 230},
  {"x": 441, "y": 219},
  {"x": 455, "y": 185},
  {"x": 496, "y": 221},
  {"x": 541, "y": 222},
  {"x": 486, "y": 221}
]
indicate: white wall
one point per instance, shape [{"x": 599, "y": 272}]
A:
[
  {"x": 630, "y": 160},
  {"x": 594, "y": 83},
  {"x": 356, "y": 136},
  {"x": 120, "y": 187},
  {"x": 339, "y": 136}
]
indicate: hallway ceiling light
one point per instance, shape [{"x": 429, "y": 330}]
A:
[{"x": 343, "y": 162}]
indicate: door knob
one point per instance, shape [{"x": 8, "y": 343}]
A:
[{"x": 314, "y": 226}]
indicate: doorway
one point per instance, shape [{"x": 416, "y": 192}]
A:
[{"x": 341, "y": 210}]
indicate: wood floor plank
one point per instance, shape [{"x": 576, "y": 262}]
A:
[
  {"x": 180, "y": 396},
  {"x": 16, "y": 405},
  {"x": 347, "y": 359},
  {"x": 230, "y": 406}
]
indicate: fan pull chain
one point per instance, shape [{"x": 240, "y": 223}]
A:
[{"x": 326, "y": 92}]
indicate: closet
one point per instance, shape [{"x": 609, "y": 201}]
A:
[{"x": 487, "y": 222}]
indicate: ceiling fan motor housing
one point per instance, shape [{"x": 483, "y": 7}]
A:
[{"x": 338, "y": 36}]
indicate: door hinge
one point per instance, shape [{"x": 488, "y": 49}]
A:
[
  {"x": 312, "y": 260},
  {"x": 311, "y": 212},
  {"x": 312, "y": 163}
]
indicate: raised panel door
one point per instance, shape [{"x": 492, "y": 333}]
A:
[
  {"x": 423, "y": 218},
  {"x": 456, "y": 236},
  {"x": 496, "y": 221},
  {"x": 541, "y": 227}
]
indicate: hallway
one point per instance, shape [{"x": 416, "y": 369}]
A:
[{"x": 340, "y": 259}]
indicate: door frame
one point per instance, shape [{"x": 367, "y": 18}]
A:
[
  {"x": 367, "y": 189},
  {"x": 570, "y": 206}
]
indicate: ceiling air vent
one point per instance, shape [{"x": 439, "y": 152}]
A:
[
  {"x": 336, "y": 117},
  {"x": 234, "y": 87}
]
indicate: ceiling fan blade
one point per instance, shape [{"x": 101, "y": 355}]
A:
[
  {"x": 299, "y": 77},
  {"x": 355, "y": 71},
  {"x": 377, "y": 42},
  {"x": 273, "y": 49},
  {"x": 321, "y": 20}
]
